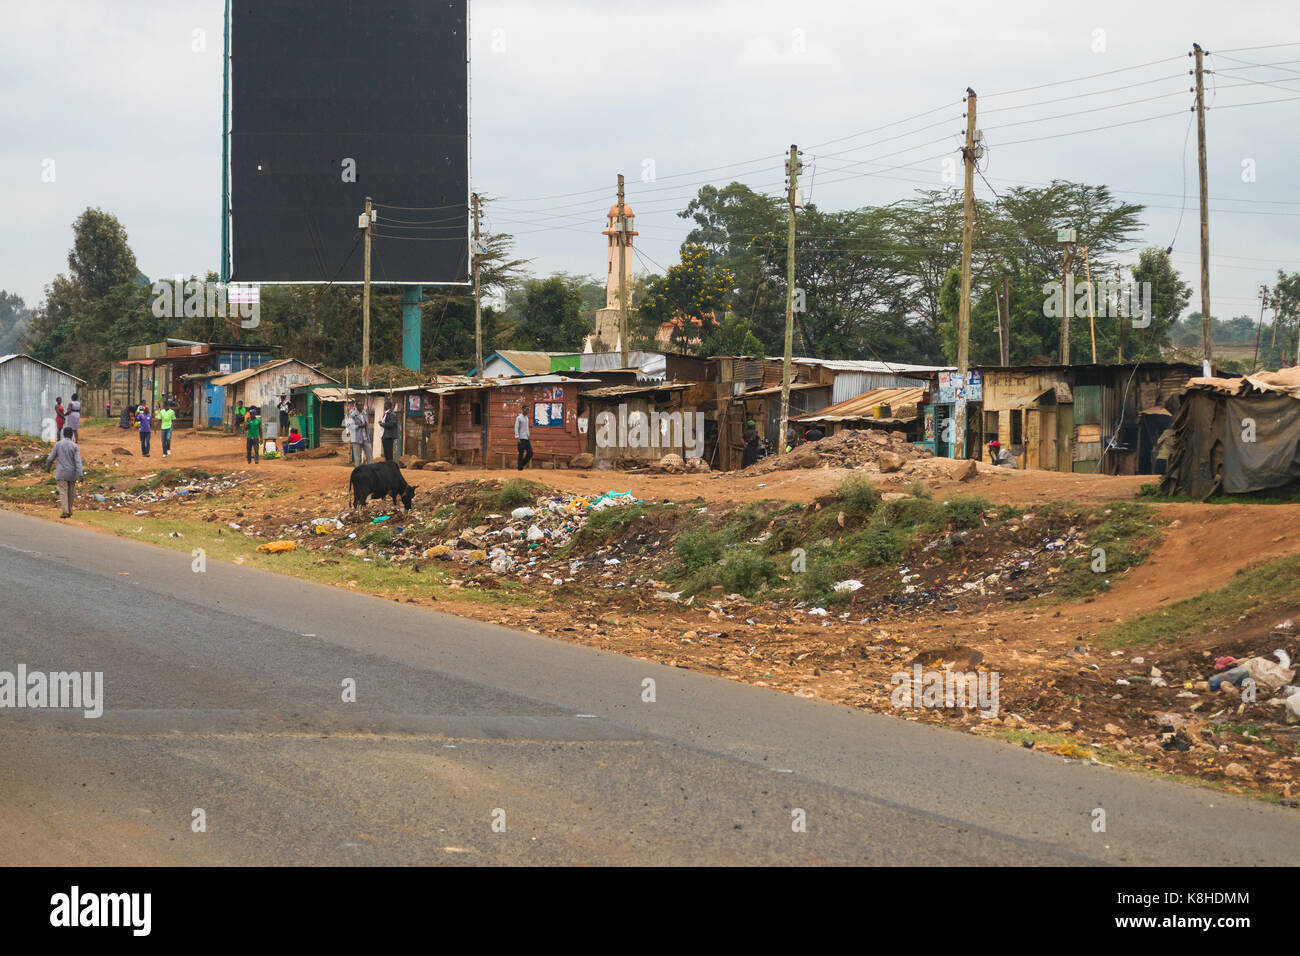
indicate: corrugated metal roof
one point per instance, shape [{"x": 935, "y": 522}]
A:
[
  {"x": 863, "y": 365},
  {"x": 860, "y": 406},
  {"x": 14, "y": 355},
  {"x": 1284, "y": 381},
  {"x": 616, "y": 391},
  {"x": 234, "y": 377},
  {"x": 776, "y": 389}
]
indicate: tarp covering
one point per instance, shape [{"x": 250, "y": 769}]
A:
[
  {"x": 1232, "y": 436},
  {"x": 1272, "y": 458}
]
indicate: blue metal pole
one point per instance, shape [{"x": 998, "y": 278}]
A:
[{"x": 411, "y": 297}]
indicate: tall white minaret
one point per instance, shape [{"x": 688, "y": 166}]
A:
[{"x": 611, "y": 271}]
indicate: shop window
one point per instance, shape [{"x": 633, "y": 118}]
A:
[{"x": 1017, "y": 433}]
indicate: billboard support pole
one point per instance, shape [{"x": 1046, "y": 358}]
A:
[
  {"x": 411, "y": 326},
  {"x": 225, "y": 155}
]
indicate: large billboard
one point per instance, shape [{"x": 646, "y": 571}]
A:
[{"x": 329, "y": 102}]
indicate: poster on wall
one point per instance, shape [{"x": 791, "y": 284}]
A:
[
  {"x": 950, "y": 386},
  {"x": 413, "y": 404}
]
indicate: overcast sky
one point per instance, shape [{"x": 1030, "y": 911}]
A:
[{"x": 567, "y": 94}]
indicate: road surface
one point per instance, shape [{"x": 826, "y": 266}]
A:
[{"x": 469, "y": 743}]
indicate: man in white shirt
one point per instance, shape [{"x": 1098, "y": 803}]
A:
[
  {"x": 359, "y": 427},
  {"x": 521, "y": 436}
]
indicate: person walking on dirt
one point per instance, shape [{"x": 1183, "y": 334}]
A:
[
  {"x": 67, "y": 456},
  {"x": 522, "y": 437},
  {"x": 283, "y": 407},
  {"x": 145, "y": 421},
  {"x": 74, "y": 418},
  {"x": 165, "y": 419},
  {"x": 390, "y": 424},
  {"x": 360, "y": 437},
  {"x": 253, "y": 441}
]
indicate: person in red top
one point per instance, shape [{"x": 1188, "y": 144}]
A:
[
  {"x": 59, "y": 416},
  {"x": 295, "y": 442}
]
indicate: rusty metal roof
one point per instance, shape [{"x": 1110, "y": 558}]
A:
[{"x": 860, "y": 406}]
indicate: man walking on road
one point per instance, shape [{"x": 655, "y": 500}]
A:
[
  {"x": 521, "y": 437},
  {"x": 68, "y": 456},
  {"x": 165, "y": 419}
]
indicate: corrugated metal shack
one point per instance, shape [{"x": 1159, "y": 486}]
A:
[
  {"x": 1076, "y": 418},
  {"x": 28, "y": 390},
  {"x": 646, "y": 421}
]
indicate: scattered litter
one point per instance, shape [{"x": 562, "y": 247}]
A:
[
  {"x": 274, "y": 547},
  {"x": 852, "y": 584}
]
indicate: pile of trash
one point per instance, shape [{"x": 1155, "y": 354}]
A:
[
  {"x": 521, "y": 543},
  {"x": 1016, "y": 574},
  {"x": 186, "y": 488},
  {"x": 868, "y": 448}
]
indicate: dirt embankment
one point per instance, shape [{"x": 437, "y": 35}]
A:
[{"x": 984, "y": 595}]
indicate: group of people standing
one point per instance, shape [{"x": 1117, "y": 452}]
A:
[
  {"x": 69, "y": 417},
  {"x": 356, "y": 430}
]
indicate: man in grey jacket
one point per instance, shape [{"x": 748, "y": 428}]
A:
[
  {"x": 68, "y": 457},
  {"x": 359, "y": 424}
]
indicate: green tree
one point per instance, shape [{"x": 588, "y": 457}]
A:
[
  {"x": 689, "y": 297},
  {"x": 551, "y": 316},
  {"x": 14, "y": 317},
  {"x": 731, "y": 337}
]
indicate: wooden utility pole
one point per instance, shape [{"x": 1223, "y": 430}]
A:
[
  {"x": 1119, "y": 320},
  {"x": 366, "y": 220},
  {"x": 963, "y": 312},
  {"x": 792, "y": 167},
  {"x": 1259, "y": 329},
  {"x": 1092, "y": 306},
  {"x": 1004, "y": 323},
  {"x": 476, "y": 202},
  {"x": 1205, "y": 200},
  {"x": 622, "y": 276}
]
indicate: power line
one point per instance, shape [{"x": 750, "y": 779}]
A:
[{"x": 1079, "y": 79}]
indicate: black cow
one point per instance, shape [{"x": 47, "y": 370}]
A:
[{"x": 380, "y": 480}]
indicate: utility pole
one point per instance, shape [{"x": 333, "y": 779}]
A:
[
  {"x": 476, "y": 202},
  {"x": 1092, "y": 310},
  {"x": 1119, "y": 320},
  {"x": 366, "y": 220},
  {"x": 963, "y": 313},
  {"x": 622, "y": 276},
  {"x": 1259, "y": 329},
  {"x": 792, "y": 167},
  {"x": 1004, "y": 328},
  {"x": 1205, "y": 200}
]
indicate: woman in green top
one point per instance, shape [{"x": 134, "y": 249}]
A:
[{"x": 253, "y": 442}]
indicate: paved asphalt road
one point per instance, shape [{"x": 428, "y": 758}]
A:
[{"x": 223, "y": 691}]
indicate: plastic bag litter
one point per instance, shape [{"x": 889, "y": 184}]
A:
[
  {"x": 326, "y": 525},
  {"x": 613, "y": 499},
  {"x": 1269, "y": 675},
  {"x": 535, "y": 533},
  {"x": 273, "y": 547},
  {"x": 524, "y": 512},
  {"x": 852, "y": 584}
]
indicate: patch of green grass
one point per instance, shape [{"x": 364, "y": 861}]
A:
[
  {"x": 697, "y": 548},
  {"x": 515, "y": 493},
  {"x": 857, "y": 496},
  {"x": 1248, "y": 591},
  {"x": 1124, "y": 537}
]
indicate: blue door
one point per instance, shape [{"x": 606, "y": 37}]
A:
[{"x": 214, "y": 396}]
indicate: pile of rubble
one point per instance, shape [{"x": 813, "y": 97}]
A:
[{"x": 869, "y": 449}]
